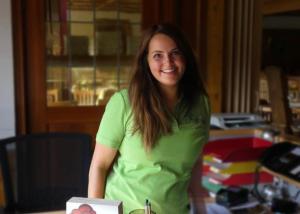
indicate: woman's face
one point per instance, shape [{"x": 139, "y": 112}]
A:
[{"x": 165, "y": 60}]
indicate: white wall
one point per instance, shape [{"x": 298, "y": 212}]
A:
[{"x": 7, "y": 105}]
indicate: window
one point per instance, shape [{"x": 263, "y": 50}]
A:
[{"x": 90, "y": 46}]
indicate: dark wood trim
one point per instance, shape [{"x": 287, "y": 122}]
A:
[
  {"x": 18, "y": 55},
  {"x": 237, "y": 57},
  {"x": 35, "y": 67},
  {"x": 214, "y": 51},
  {"x": 183, "y": 19},
  {"x": 228, "y": 47},
  {"x": 249, "y": 35},
  {"x": 158, "y": 11},
  {"x": 201, "y": 38},
  {"x": 256, "y": 54},
  {"x": 74, "y": 114},
  {"x": 280, "y": 6},
  {"x": 150, "y": 13},
  {"x": 82, "y": 119}
]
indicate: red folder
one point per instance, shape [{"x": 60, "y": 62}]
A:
[
  {"x": 243, "y": 154},
  {"x": 236, "y": 149},
  {"x": 235, "y": 143}
]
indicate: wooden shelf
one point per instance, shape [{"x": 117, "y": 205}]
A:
[
  {"x": 87, "y": 61},
  {"x": 280, "y": 6},
  {"x": 290, "y": 138}
]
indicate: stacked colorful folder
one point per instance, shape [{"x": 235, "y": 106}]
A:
[{"x": 233, "y": 161}]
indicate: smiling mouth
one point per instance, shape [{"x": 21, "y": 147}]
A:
[{"x": 169, "y": 70}]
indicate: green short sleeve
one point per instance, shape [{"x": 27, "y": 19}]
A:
[
  {"x": 112, "y": 129},
  {"x": 207, "y": 119}
]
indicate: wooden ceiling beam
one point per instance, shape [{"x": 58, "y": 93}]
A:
[{"x": 280, "y": 6}]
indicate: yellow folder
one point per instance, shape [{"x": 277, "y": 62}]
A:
[{"x": 230, "y": 167}]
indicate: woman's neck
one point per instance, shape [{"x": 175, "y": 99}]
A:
[{"x": 171, "y": 97}]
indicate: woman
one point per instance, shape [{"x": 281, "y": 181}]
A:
[{"x": 152, "y": 134}]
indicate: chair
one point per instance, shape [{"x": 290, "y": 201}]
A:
[{"x": 49, "y": 168}]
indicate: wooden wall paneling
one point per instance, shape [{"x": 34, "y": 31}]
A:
[
  {"x": 237, "y": 56},
  {"x": 240, "y": 66},
  {"x": 35, "y": 65},
  {"x": 18, "y": 54},
  {"x": 158, "y": 11},
  {"x": 245, "y": 47},
  {"x": 167, "y": 13},
  {"x": 280, "y": 6},
  {"x": 186, "y": 18},
  {"x": 83, "y": 119},
  {"x": 255, "y": 53},
  {"x": 150, "y": 13},
  {"x": 228, "y": 46},
  {"x": 201, "y": 37},
  {"x": 74, "y": 114},
  {"x": 229, "y": 55},
  {"x": 214, "y": 52},
  {"x": 248, "y": 56}
]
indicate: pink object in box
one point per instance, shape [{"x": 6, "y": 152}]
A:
[{"x": 79, "y": 205}]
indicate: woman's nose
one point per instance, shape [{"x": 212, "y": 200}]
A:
[{"x": 168, "y": 59}]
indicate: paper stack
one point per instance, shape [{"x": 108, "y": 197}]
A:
[{"x": 232, "y": 162}]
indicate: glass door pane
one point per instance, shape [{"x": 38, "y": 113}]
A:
[{"x": 90, "y": 46}]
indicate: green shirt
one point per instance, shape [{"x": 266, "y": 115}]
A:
[{"x": 161, "y": 176}]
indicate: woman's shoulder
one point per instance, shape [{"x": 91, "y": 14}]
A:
[
  {"x": 202, "y": 99},
  {"x": 202, "y": 105},
  {"x": 123, "y": 93},
  {"x": 120, "y": 98}
]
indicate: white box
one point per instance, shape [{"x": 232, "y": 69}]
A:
[{"x": 93, "y": 206}]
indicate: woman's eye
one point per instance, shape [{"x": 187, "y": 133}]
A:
[
  {"x": 157, "y": 56},
  {"x": 176, "y": 53}
]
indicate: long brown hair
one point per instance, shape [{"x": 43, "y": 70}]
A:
[{"x": 151, "y": 116}]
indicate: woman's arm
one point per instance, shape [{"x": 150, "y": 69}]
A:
[
  {"x": 195, "y": 189},
  {"x": 103, "y": 157}
]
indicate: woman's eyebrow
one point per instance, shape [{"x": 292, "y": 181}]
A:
[
  {"x": 175, "y": 49},
  {"x": 158, "y": 51}
]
